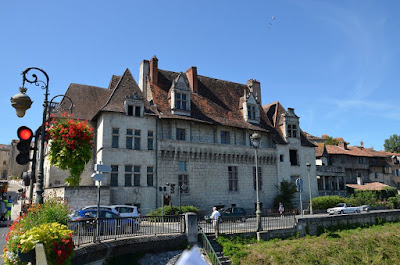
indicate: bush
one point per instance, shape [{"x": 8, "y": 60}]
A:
[
  {"x": 168, "y": 210},
  {"x": 325, "y": 202},
  {"x": 394, "y": 202}
]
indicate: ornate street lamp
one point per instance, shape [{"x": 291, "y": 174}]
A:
[
  {"x": 256, "y": 141},
  {"x": 21, "y": 102},
  {"x": 309, "y": 185}
]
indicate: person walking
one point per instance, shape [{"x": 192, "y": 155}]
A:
[
  {"x": 215, "y": 219},
  {"x": 281, "y": 209},
  {"x": 9, "y": 204}
]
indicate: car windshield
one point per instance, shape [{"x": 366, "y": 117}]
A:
[{"x": 340, "y": 205}]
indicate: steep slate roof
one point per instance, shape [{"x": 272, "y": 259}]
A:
[
  {"x": 125, "y": 86},
  {"x": 274, "y": 113},
  {"x": 368, "y": 186},
  {"x": 87, "y": 100},
  {"x": 217, "y": 102}
]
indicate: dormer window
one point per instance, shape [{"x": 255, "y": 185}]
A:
[
  {"x": 252, "y": 112},
  {"x": 134, "y": 106},
  {"x": 292, "y": 130},
  {"x": 180, "y": 101},
  {"x": 180, "y": 96}
]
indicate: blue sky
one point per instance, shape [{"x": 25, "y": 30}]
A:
[{"x": 336, "y": 63}]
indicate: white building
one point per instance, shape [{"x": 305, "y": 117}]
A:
[{"x": 184, "y": 128}]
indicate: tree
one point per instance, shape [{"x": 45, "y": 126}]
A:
[
  {"x": 287, "y": 192},
  {"x": 331, "y": 141},
  {"x": 392, "y": 144}
]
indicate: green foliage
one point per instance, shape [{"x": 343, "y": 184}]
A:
[
  {"x": 287, "y": 192},
  {"x": 168, "y": 210},
  {"x": 234, "y": 246},
  {"x": 331, "y": 141},
  {"x": 325, "y": 202},
  {"x": 377, "y": 244},
  {"x": 394, "y": 202},
  {"x": 53, "y": 210},
  {"x": 392, "y": 144}
]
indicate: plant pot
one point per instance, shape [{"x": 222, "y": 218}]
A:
[{"x": 27, "y": 257}]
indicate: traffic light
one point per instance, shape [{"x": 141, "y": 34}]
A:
[
  {"x": 172, "y": 188},
  {"x": 25, "y": 136}
]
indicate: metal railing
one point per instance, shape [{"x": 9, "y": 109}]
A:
[
  {"x": 87, "y": 231},
  {"x": 208, "y": 248},
  {"x": 248, "y": 223}
]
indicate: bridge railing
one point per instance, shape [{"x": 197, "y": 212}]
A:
[
  {"x": 248, "y": 223},
  {"x": 90, "y": 230}
]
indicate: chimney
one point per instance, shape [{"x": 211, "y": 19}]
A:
[
  {"x": 143, "y": 73},
  {"x": 192, "y": 77},
  {"x": 362, "y": 144},
  {"x": 154, "y": 70},
  {"x": 255, "y": 88},
  {"x": 342, "y": 144}
]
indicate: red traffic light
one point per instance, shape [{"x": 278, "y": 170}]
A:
[{"x": 24, "y": 133}]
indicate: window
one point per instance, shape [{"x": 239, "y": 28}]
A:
[
  {"x": 180, "y": 101},
  {"x": 233, "y": 178},
  {"x": 136, "y": 175},
  {"x": 137, "y": 111},
  {"x": 251, "y": 112},
  {"x": 361, "y": 160},
  {"x": 259, "y": 178},
  {"x": 137, "y": 139},
  {"x": 183, "y": 179},
  {"x": 342, "y": 159},
  {"x": 4, "y": 174},
  {"x": 293, "y": 157},
  {"x": 292, "y": 130},
  {"x": 182, "y": 166},
  {"x": 114, "y": 175},
  {"x": 180, "y": 134},
  {"x": 4, "y": 162},
  {"x": 225, "y": 137},
  {"x": 128, "y": 176},
  {"x": 150, "y": 176},
  {"x": 150, "y": 140},
  {"x": 115, "y": 137},
  {"x": 129, "y": 138},
  {"x": 281, "y": 158},
  {"x": 130, "y": 110}
]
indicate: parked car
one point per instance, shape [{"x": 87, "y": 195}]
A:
[
  {"x": 109, "y": 222},
  {"x": 102, "y": 207},
  {"x": 127, "y": 210},
  {"x": 231, "y": 214},
  {"x": 342, "y": 208}
]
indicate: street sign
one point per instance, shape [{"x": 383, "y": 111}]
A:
[
  {"x": 102, "y": 168},
  {"x": 299, "y": 184},
  {"x": 98, "y": 177}
]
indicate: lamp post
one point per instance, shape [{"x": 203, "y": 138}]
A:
[
  {"x": 309, "y": 185},
  {"x": 21, "y": 102},
  {"x": 255, "y": 141},
  {"x": 182, "y": 188}
]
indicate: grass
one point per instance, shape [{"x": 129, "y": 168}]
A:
[{"x": 375, "y": 245}]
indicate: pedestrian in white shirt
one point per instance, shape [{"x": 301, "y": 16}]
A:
[{"x": 215, "y": 219}]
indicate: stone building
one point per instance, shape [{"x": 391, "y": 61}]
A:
[
  {"x": 5, "y": 152},
  {"x": 338, "y": 166},
  {"x": 184, "y": 128}
]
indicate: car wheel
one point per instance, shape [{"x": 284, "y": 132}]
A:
[{"x": 341, "y": 212}]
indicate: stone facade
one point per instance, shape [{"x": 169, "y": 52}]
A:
[{"x": 182, "y": 128}]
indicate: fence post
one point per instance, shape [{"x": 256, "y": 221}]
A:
[
  {"x": 191, "y": 228},
  {"x": 40, "y": 254}
]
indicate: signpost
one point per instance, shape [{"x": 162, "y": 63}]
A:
[
  {"x": 99, "y": 177},
  {"x": 299, "y": 184}
]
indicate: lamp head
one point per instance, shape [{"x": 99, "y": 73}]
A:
[
  {"x": 21, "y": 102},
  {"x": 255, "y": 140},
  {"x": 308, "y": 165}
]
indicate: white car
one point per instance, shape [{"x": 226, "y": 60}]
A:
[
  {"x": 342, "y": 208},
  {"x": 127, "y": 210},
  {"x": 102, "y": 207}
]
